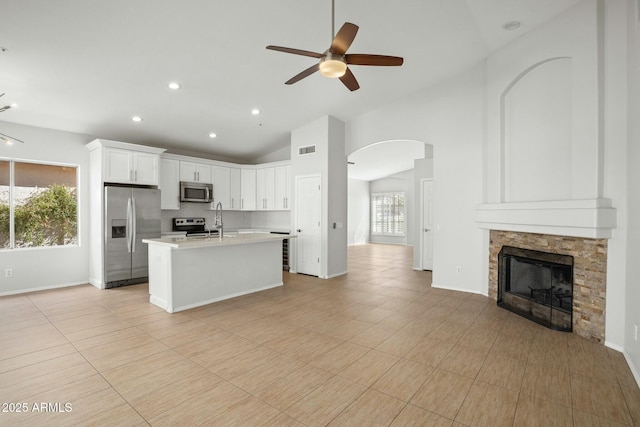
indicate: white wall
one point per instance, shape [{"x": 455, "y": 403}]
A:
[
  {"x": 358, "y": 212},
  {"x": 49, "y": 267},
  {"x": 448, "y": 116},
  {"x": 632, "y": 285},
  {"x": 330, "y": 162}
]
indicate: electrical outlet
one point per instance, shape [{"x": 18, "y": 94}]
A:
[
  {"x": 459, "y": 269},
  {"x": 8, "y": 272}
]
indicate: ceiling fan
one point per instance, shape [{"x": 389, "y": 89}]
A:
[{"x": 335, "y": 60}]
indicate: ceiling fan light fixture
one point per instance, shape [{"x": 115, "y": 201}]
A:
[{"x": 333, "y": 67}]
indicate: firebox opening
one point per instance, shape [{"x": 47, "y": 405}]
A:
[{"x": 537, "y": 285}]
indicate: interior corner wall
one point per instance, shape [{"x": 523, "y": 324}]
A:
[
  {"x": 330, "y": 162},
  {"x": 359, "y": 212},
  {"x": 45, "y": 268},
  {"x": 632, "y": 285},
  {"x": 336, "y": 200},
  {"x": 448, "y": 116}
]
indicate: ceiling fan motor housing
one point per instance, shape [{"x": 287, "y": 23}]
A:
[{"x": 332, "y": 65}]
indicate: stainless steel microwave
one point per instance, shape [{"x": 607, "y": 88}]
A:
[{"x": 196, "y": 192}]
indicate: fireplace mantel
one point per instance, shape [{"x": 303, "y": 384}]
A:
[{"x": 590, "y": 218}]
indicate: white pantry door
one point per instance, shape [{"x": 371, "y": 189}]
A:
[
  {"x": 308, "y": 216},
  {"x": 427, "y": 225}
]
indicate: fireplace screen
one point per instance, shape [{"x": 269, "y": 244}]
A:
[{"x": 537, "y": 285}]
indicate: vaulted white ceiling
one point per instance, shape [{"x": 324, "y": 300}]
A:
[{"x": 88, "y": 66}]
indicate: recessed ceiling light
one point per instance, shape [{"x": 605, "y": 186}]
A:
[
  {"x": 174, "y": 86},
  {"x": 136, "y": 118},
  {"x": 255, "y": 111},
  {"x": 212, "y": 135},
  {"x": 511, "y": 25},
  {"x": 14, "y": 105}
]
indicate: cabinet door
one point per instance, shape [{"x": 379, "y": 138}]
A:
[
  {"x": 221, "y": 179},
  {"x": 118, "y": 166},
  {"x": 203, "y": 172},
  {"x": 270, "y": 189},
  {"x": 236, "y": 195},
  {"x": 188, "y": 172},
  {"x": 145, "y": 168},
  {"x": 282, "y": 187},
  {"x": 261, "y": 190},
  {"x": 248, "y": 189},
  {"x": 169, "y": 184}
]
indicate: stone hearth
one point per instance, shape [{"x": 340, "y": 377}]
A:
[{"x": 590, "y": 272}]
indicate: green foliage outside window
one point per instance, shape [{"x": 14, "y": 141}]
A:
[{"x": 46, "y": 218}]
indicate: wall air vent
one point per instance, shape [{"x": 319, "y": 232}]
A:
[{"x": 310, "y": 149}]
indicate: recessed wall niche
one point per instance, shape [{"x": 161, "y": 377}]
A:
[{"x": 537, "y": 134}]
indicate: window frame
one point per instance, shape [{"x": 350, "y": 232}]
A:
[
  {"x": 12, "y": 161},
  {"x": 395, "y": 233}
]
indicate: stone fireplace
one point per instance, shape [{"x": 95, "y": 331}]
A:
[{"x": 588, "y": 292}]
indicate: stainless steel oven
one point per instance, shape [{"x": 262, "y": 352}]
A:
[{"x": 196, "y": 192}]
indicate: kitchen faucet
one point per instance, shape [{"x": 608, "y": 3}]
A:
[{"x": 218, "y": 221}]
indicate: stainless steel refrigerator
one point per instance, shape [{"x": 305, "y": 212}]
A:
[{"x": 131, "y": 214}]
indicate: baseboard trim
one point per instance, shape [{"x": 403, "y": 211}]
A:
[
  {"x": 222, "y": 298},
  {"x": 448, "y": 288},
  {"x": 634, "y": 369},
  {"x": 42, "y": 288}
]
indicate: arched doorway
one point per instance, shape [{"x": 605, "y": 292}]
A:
[{"x": 388, "y": 168}]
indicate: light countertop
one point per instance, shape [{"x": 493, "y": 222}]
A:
[{"x": 182, "y": 242}]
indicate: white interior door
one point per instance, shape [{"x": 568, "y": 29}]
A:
[
  {"x": 427, "y": 225},
  {"x": 308, "y": 217}
]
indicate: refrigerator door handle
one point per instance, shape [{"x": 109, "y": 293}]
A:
[
  {"x": 129, "y": 225},
  {"x": 134, "y": 220}
]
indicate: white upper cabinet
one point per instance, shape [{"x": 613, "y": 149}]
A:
[
  {"x": 169, "y": 184},
  {"x": 195, "y": 172},
  {"x": 235, "y": 195},
  {"x": 146, "y": 168},
  {"x": 221, "y": 178},
  {"x": 125, "y": 163},
  {"x": 265, "y": 189},
  {"x": 248, "y": 189},
  {"x": 130, "y": 167},
  {"x": 282, "y": 188}
]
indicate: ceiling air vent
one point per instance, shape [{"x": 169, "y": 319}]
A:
[{"x": 307, "y": 150}]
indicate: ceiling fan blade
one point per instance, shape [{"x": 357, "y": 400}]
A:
[
  {"x": 350, "y": 81},
  {"x": 295, "y": 51},
  {"x": 343, "y": 38},
  {"x": 303, "y": 74},
  {"x": 382, "y": 60}
]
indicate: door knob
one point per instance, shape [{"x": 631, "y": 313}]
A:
[{"x": 427, "y": 229}]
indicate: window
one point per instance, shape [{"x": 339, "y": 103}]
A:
[
  {"x": 387, "y": 214},
  {"x": 38, "y": 205}
]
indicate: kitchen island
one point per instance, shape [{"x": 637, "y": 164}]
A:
[{"x": 187, "y": 272}]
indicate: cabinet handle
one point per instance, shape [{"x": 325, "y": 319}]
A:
[
  {"x": 135, "y": 174},
  {"x": 241, "y": 203}
]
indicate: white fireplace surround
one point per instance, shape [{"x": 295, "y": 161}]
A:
[{"x": 590, "y": 218}]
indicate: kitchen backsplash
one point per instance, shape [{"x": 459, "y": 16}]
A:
[{"x": 231, "y": 219}]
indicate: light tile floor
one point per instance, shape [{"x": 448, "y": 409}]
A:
[{"x": 378, "y": 346}]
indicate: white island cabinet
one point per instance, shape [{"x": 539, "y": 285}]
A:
[{"x": 187, "y": 272}]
